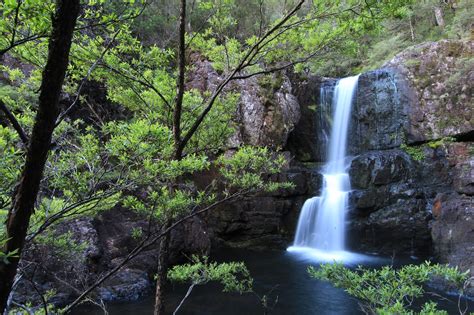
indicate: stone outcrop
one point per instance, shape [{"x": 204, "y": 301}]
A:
[
  {"x": 440, "y": 76},
  {"x": 267, "y": 110},
  {"x": 421, "y": 98},
  {"x": 265, "y": 220},
  {"x": 389, "y": 207}
]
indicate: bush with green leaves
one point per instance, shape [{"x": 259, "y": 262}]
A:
[
  {"x": 233, "y": 276},
  {"x": 389, "y": 290}
]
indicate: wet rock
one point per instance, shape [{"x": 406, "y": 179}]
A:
[
  {"x": 452, "y": 230},
  {"x": 378, "y": 168},
  {"x": 401, "y": 227},
  {"x": 380, "y": 111},
  {"x": 308, "y": 141},
  {"x": 125, "y": 285},
  {"x": 265, "y": 220}
]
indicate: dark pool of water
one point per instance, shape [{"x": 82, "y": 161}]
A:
[{"x": 281, "y": 276}]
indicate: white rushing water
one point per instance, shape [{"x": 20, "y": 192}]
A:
[{"x": 321, "y": 225}]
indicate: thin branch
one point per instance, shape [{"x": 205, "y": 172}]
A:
[
  {"x": 15, "y": 23},
  {"x": 280, "y": 68},
  {"x": 22, "y": 41},
  {"x": 190, "y": 289},
  {"x": 85, "y": 78},
  {"x": 15, "y": 124},
  {"x": 66, "y": 211},
  {"x": 24, "y": 307},
  {"x": 137, "y": 80},
  {"x": 35, "y": 287},
  {"x": 30, "y": 38}
]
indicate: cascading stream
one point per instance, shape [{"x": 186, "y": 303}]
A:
[{"x": 321, "y": 225}]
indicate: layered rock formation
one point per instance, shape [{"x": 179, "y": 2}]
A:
[{"x": 411, "y": 141}]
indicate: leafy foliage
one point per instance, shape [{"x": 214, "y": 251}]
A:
[
  {"x": 416, "y": 152},
  {"x": 233, "y": 276},
  {"x": 250, "y": 168},
  {"x": 388, "y": 290}
]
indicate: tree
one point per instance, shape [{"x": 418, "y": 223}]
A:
[{"x": 63, "y": 25}]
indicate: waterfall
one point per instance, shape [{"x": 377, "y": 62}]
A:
[{"x": 321, "y": 225}]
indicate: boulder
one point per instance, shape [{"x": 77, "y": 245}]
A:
[
  {"x": 377, "y": 168},
  {"x": 267, "y": 111},
  {"x": 107, "y": 240},
  {"x": 399, "y": 228}
]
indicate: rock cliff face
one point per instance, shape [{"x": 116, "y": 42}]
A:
[
  {"x": 267, "y": 110},
  {"x": 267, "y": 220},
  {"x": 440, "y": 76},
  {"x": 420, "y": 102}
]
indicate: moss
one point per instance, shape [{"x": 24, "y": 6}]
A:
[
  {"x": 271, "y": 82},
  {"x": 471, "y": 149},
  {"x": 413, "y": 63},
  {"x": 313, "y": 107},
  {"x": 440, "y": 142},
  {"x": 416, "y": 152},
  {"x": 463, "y": 67}
]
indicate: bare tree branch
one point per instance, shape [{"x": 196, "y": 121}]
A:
[
  {"x": 15, "y": 124},
  {"x": 85, "y": 78},
  {"x": 190, "y": 289}
]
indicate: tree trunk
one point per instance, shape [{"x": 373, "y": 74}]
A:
[
  {"x": 26, "y": 193},
  {"x": 438, "y": 12},
  {"x": 161, "y": 273},
  {"x": 412, "y": 31},
  {"x": 178, "y": 106}
]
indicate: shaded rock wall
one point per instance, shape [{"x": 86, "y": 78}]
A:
[
  {"x": 266, "y": 220},
  {"x": 109, "y": 238}
]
